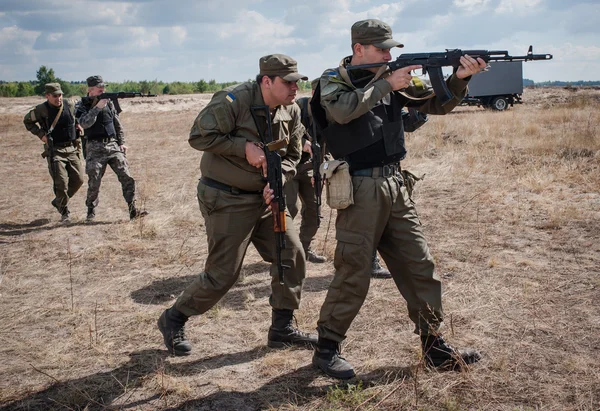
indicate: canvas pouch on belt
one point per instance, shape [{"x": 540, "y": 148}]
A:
[{"x": 338, "y": 184}]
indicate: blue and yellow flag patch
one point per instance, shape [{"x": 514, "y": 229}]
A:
[{"x": 230, "y": 97}]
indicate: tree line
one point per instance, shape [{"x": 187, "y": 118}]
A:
[{"x": 79, "y": 88}]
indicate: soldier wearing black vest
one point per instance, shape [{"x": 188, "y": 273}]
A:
[
  {"x": 56, "y": 117},
  {"x": 105, "y": 145},
  {"x": 363, "y": 116}
]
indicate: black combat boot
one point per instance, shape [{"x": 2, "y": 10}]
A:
[
  {"x": 377, "y": 270},
  {"x": 135, "y": 212},
  {"x": 283, "y": 334},
  {"x": 441, "y": 355},
  {"x": 327, "y": 358},
  {"x": 91, "y": 214},
  {"x": 313, "y": 257},
  {"x": 172, "y": 326},
  {"x": 65, "y": 215}
]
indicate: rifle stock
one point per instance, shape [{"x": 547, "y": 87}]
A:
[{"x": 432, "y": 63}]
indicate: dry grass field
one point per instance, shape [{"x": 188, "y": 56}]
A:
[{"x": 510, "y": 204}]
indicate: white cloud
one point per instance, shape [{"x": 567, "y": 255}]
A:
[
  {"x": 192, "y": 39},
  {"x": 517, "y": 6}
]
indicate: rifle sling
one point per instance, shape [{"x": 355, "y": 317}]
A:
[{"x": 60, "y": 110}]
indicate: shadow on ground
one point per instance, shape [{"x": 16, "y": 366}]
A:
[
  {"x": 294, "y": 389},
  {"x": 41, "y": 224},
  {"x": 161, "y": 291}
]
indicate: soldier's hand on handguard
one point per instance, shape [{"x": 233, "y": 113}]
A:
[
  {"x": 256, "y": 157},
  {"x": 102, "y": 103},
  {"x": 470, "y": 66},
  {"x": 268, "y": 195},
  {"x": 401, "y": 78}
]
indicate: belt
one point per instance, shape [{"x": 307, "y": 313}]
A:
[
  {"x": 387, "y": 170},
  {"x": 224, "y": 187},
  {"x": 64, "y": 144},
  {"x": 103, "y": 139}
]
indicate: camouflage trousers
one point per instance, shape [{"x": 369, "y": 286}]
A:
[
  {"x": 67, "y": 174},
  {"x": 301, "y": 186},
  {"x": 382, "y": 216},
  {"x": 98, "y": 155},
  {"x": 232, "y": 222}
]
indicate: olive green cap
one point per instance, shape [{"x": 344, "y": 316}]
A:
[
  {"x": 53, "y": 88},
  {"x": 95, "y": 81},
  {"x": 375, "y": 32},
  {"x": 280, "y": 65}
]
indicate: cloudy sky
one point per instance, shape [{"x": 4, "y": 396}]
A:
[{"x": 189, "y": 40}]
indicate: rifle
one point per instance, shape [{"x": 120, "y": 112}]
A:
[
  {"x": 50, "y": 153},
  {"x": 92, "y": 101},
  {"x": 275, "y": 179},
  {"x": 432, "y": 63},
  {"x": 316, "y": 164}
]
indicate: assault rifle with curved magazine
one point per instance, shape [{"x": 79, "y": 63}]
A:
[
  {"x": 90, "y": 101},
  {"x": 275, "y": 179},
  {"x": 432, "y": 63}
]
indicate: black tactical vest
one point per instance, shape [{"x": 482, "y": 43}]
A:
[
  {"x": 64, "y": 130},
  {"x": 374, "y": 139},
  {"x": 104, "y": 126}
]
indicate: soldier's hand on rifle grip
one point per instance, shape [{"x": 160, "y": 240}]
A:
[
  {"x": 102, "y": 103},
  {"x": 44, "y": 139},
  {"x": 401, "y": 78},
  {"x": 470, "y": 66},
  {"x": 268, "y": 195},
  {"x": 256, "y": 157}
]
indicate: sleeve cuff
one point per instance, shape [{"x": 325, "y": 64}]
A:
[{"x": 383, "y": 86}]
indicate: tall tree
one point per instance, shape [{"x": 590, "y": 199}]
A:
[{"x": 44, "y": 75}]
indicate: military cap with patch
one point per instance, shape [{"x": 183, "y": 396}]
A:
[
  {"x": 375, "y": 32},
  {"x": 95, "y": 81},
  {"x": 53, "y": 88},
  {"x": 280, "y": 65}
]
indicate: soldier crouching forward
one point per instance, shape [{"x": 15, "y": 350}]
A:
[
  {"x": 234, "y": 197},
  {"x": 105, "y": 145},
  {"x": 54, "y": 123}
]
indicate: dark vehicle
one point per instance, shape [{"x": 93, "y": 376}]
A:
[{"x": 497, "y": 88}]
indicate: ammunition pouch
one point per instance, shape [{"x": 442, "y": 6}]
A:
[
  {"x": 410, "y": 180},
  {"x": 338, "y": 184}
]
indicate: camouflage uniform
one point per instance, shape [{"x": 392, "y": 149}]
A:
[
  {"x": 66, "y": 168},
  {"x": 103, "y": 148}
]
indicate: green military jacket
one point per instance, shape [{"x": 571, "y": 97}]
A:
[
  {"x": 343, "y": 102},
  {"x": 36, "y": 120},
  {"x": 223, "y": 127}
]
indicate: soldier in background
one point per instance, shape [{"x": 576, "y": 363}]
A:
[
  {"x": 302, "y": 186},
  {"x": 56, "y": 116},
  {"x": 105, "y": 145},
  {"x": 234, "y": 197}
]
